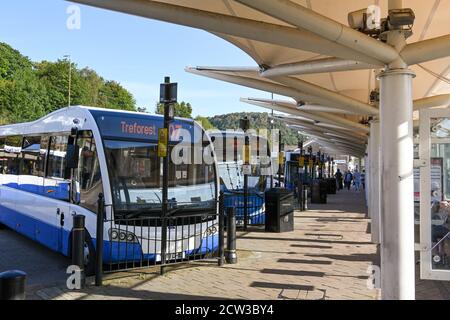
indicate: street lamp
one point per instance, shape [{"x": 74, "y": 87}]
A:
[{"x": 67, "y": 57}]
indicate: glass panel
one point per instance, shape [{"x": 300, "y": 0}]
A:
[
  {"x": 229, "y": 148},
  {"x": 2, "y": 159},
  {"x": 55, "y": 186},
  {"x": 87, "y": 177},
  {"x": 57, "y": 157},
  {"x": 440, "y": 192},
  {"x": 31, "y": 156},
  {"x": 12, "y": 149},
  {"x": 31, "y": 174},
  {"x": 135, "y": 172}
]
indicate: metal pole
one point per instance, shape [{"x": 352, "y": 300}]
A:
[
  {"x": 99, "y": 241},
  {"x": 397, "y": 249},
  {"x": 305, "y": 199},
  {"x": 247, "y": 143},
  {"x": 280, "y": 164},
  {"x": 300, "y": 194},
  {"x": 375, "y": 199},
  {"x": 369, "y": 175},
  {"x": 230, "y": 253},
  {"x": 165, "y": 186},
  {"x": 221, "y": 259},
  {"x": 12, "y": 285},
  {"x": 78, "y": 238},
  {"x": 271, "y": 134},
  {"x": 70, "y": 77}
]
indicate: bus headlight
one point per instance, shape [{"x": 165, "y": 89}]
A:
[
  {"x": 114, "y": 235},
  {"x": 118, "y": 235},
  {"x": 210, "y": 231}
]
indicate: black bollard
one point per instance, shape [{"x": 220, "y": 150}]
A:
[
  {"x": 230, "y": 253},
  {"x": 12, "y": 285},
  {"x": 221, "y": 259},
  {"x": 78, "y": 236},
  {"x": 305, "y": 199},
  {"x": 300, "y": 194},
  {"x": 99, "y": 246}
]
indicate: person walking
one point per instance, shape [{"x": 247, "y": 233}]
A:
[
  {"x": 348, "y": 180},
  {"x": 338, "y": 176},
  {"x": 357, "y": 180},
  {"x": 363, "y": 179}
]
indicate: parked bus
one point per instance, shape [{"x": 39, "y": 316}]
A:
[
  {"x": 229, "y": 146},
  {"x": 292, "y": 171},
  {"x": 56, "y": 167}
]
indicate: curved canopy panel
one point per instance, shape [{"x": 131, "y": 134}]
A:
[
  {"x": 431, "y": 22},
  {"x": 305, "y": 50}
]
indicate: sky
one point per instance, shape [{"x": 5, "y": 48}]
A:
[{"x": 134, "y": 51}]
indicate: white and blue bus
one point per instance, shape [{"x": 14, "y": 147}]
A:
[
  {"x": 56, "y": 167},
  {"x": 229, "y": 146}
]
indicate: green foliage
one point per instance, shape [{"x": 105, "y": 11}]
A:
[
  {"x": 206, "y": 124},
  {"x": 113, "y": 96},
  {"x": 12, "y": 61},
  {"x": 30, "y": 90},
  {"x": 182, "y": 109},
  {"x": 23, "y": 98},
  {"x": 258, "y": 120}
]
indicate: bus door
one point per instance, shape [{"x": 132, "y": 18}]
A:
[{"x": 434, "y": 153}]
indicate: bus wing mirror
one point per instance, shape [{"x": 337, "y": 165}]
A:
[{"x": 72, "y": 156}]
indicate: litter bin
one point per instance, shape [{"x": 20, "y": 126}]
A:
[
  {"x": 319, "y": 189},
  {"x": 332, "y": 188},
  {"x": 279, "y": 210}
]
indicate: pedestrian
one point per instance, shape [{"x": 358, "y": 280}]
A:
[
  {"x": 363, "y": 179},
  {"x": 357, "y": 180},
  {"x": 338, "y": 176},
  {"x": 348, "y": 180}
]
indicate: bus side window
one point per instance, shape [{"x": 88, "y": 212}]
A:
[
  {"x": 13, "y": 146},
  {"x": 2, "y": 159},
  {"x": 55, "y": 186},
  {"x": 88, "y": 176},
  {"x": 30, "y": 179}
]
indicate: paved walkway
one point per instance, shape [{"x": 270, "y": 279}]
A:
[{"x": 326, "y": 257}]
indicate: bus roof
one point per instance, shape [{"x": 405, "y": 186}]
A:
[{"x": 66, "y": 118}]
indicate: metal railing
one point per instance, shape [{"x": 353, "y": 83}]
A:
[{"x": 137, "y": 242}]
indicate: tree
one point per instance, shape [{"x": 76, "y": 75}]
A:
[
  {"x": 23, "y": 98},
  {"x": 114, "y": 96},
  {"x": 30, "y": 90},
  {"x": 206, "y": 124},
  {"x": 258, "y": 120},
  {"x": 55, "y": 77},
  {"x": 12, "y": 61},
  {"x": 182, "y": 110},
  {"x": 94, "y": 84}
]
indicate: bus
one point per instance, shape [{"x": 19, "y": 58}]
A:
[
  {"x": 292, "y": 171},
  {"x": 229, "y": 146},
  {"x": 56, "y": 167}
]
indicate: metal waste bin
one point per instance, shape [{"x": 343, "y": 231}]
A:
[
  {"x": 279, "y": 210},
  {"x": 319, "y": 190},
  {"x": 332, "y": 188}
]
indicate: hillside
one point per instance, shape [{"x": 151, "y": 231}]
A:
[
  {"x": 29, "y": 90},
  {"x": 258, "y": 120}
]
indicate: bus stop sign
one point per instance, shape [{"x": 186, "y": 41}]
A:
[{"x": 163, "y": 141}]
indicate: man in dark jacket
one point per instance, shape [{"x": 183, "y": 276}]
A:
[
  {"x": 348, "y": 180},
  {"x": 339, "y": 179}
]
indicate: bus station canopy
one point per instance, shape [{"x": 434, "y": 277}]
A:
[{"x": 305, "y": 50}]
